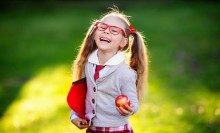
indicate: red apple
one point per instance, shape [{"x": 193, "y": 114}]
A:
[{"x": 121, "y": 101}]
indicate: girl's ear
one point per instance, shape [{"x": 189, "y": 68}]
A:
[{"x": 124, "y": 42}]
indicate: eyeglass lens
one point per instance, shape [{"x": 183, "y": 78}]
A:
[{"x": 114, "y": 30}]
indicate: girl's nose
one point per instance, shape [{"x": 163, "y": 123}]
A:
[{"x": 107, "y": 30}]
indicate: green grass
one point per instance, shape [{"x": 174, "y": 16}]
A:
[{"x": 37, "y": 46}]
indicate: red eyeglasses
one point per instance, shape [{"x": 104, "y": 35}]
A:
[{"x": 112, "y": 29}]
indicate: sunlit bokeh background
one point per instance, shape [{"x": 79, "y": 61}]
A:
[{"x": 39, "y": 41}]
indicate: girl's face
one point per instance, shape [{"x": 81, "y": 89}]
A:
[{"x": 108, "y": 41}]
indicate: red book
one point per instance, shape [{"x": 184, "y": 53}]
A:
[{"x": 77, "y": 96}]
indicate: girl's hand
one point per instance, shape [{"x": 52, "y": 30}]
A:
[
  {"x": 126, "y": 111},
  {"x": 80, "y": 123}
]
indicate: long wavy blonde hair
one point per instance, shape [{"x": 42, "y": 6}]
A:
[{"x": 136, "y": 50}]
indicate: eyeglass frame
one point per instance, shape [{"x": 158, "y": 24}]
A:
[{"x": 109, "y": 26}]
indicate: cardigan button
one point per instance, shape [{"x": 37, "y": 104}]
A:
[
  {"x": 93, "y": 101},
  {"x": 93, "y": 111},
  {"x": 94, "y": 89}
]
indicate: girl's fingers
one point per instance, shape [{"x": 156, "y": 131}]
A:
[
  {"x": 130, "y": 108},
  {"x": 82, "y": 126},
  {"x": 80, "y": 123},
  {"x": 127, "y": 110},
  {"x": 119, "y": 110},
  {"x": 123, "y": 111},
  {"x": 83, "y": 123}
]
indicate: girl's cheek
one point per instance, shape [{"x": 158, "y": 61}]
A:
[
  {"x": 117, "y": 39},
  {"x": 96, "y": 37},
  {"x": 97, "y": 32}
]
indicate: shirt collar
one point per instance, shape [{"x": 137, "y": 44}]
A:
[{"x": 115, "y": 60}]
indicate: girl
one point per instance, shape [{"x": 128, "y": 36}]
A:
[{"x": 110, "y": 73}]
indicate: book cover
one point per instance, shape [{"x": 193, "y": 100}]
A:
[{"x": 76, "y": 97}]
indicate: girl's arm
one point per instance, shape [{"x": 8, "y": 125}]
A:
[
  {"x": 77, "y": 121},
  {"x": 128, "y": 88}
]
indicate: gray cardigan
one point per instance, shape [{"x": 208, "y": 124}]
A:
[{"x": 101, "y": 94}]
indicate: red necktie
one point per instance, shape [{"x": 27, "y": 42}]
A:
[{"x": 97, "y": 69}]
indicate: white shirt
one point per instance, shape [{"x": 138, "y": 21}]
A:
[{"x": 114, "y": 60}]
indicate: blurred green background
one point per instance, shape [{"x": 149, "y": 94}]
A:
[{"x": 39, "y": 41}]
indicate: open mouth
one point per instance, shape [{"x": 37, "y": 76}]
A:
[{"x": 105, "y": 40}]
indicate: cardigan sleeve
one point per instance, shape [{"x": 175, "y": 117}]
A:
[
  {"x": 128, "y": 87},
  {"x": 73, "y": 115}
]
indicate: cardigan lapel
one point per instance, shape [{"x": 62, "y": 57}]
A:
[
  {"x": 110, "y": 71},
  {"x": 89, "y": 70}
]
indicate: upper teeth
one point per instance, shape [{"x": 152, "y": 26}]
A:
[{"x": 104, "y": 39}]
